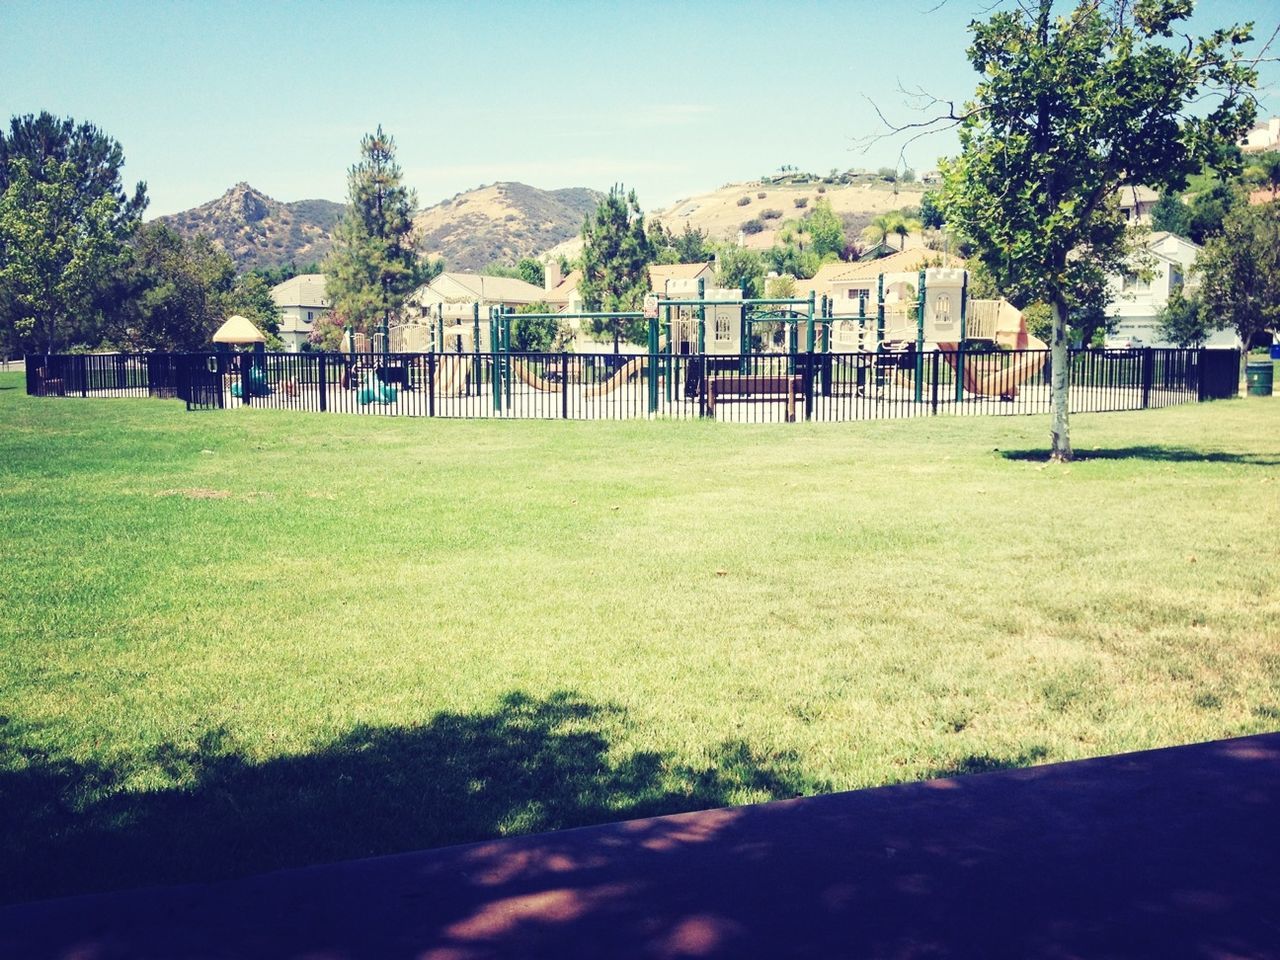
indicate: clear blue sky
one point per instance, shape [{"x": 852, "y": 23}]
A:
[{"x": 671, "y": 98}]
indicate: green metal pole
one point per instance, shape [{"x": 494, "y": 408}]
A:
[
  {"x": 666, "y": 315},
  {"x": 506, "y": 354},
  {"x": 475, "y": 343},
  {"x": 879, "y": 311},
  {"x": 919, "y": 377},
  {"x": 495, "y": 375},
  {"x": 744, "y": 340},
  {"x": 702, "y": 315},
  {"x": 653, "y": 365},
  {"x": 808, "y": 330}
]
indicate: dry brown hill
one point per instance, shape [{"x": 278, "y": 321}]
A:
[
  {"x": 503, "y": 222},
  {"x": 258, "y": 231}
]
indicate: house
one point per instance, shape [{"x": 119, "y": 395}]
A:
[
  {"x": 301, "y": 301},
  {"x": 1264, "y": 137},
  {"x": 459, "y": 293},
  {"x": 1136, "y": 203},
  {"x": 561, "y": 293},
  {"x": 660, "y": 273},
  {"x": 1136, "y": 301},
  {"x": 849, "y": 283}
]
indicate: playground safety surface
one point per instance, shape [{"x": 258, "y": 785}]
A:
[{"x": 1166, "y": 853}]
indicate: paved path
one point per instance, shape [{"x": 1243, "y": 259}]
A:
[{"x": 1164, "y": 854}]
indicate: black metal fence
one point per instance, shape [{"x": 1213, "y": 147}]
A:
[{"x": 751, "y": 388}]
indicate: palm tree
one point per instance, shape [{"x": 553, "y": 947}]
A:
[
  {"x": 904, "y": 227},
  {"x": 878, "y": 230}
]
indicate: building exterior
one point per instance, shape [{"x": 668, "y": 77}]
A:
[
  {"x": 1264, "y": 137},
  {"x": 660, "y": 273},
  {"x": 1136, "y": 302},
  {"x": 1137, "y": 202},
  {"x": 301, "y": 301},
  {"x": 452, "y": 289}
]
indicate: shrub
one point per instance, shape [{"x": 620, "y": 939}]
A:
[
  {"x": 802, "y": 202},
  {"x": 743, "y": 201},
  {"x": 761, "y": 195},
  {"x": 753, "y": 226},
  {"x": 771, "y": 214},
  {"x": 822, "y": 189}
]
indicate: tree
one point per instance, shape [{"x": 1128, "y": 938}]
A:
[
  {"x": 742, "y": 269},
  {"x": 826, "y": 230},
  {"x": 374, "y": 265},
  {"x": 176, "y": 292},
  {"x": 1171, "y": 214},
  {"x": 1069, "y": 109},
  {"x": 531, "y": 271},
  {"x": 931, "y": 211},
  {"x": 1265, "y": 172},
  {"x": 616, "y": 253},
  {"x": 1241, "y": 273},
  {"x": 693, "y": 247},
  {"x": 903, "y": 227},
  {"x": 1209, "y": 209},
  {"x": 57, "y": 252},
  {"x": 1181, "y": 320},
  {"x": 780, "y": 288},
  {"x": 535, "y": 335},
  {"x": 67, "y": 219}
]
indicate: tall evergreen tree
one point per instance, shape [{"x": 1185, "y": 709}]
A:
[
  {"x": 616, "y": 254},
  {"x": 374, "y": 265}
]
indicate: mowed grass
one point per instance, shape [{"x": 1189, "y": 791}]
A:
[{"x": 247, "y": 639}]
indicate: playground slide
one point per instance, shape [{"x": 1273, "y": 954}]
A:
[
  {"x": 987, "y": 375},
  {"x": 451, "y": 376},
  {"x": 632, "y": 368}
]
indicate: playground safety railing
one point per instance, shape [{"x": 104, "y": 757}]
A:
[{"x": 754, "y": 388}]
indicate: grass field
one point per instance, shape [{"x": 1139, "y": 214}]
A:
[{"x": 246, "y": 639}]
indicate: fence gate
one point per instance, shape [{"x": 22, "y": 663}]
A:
[{"x": 201, "y": 381}]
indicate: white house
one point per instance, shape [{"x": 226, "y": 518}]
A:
[
  {"x": 1137, "y": 202},
  {"x": 1265, "y": 136},
  {"x": 1137, "y": 302},
  {"x": 301, "y": 301}
]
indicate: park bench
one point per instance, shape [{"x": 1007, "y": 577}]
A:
[{"x": 734, "y": 388}]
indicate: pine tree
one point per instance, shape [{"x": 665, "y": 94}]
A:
[
  {"x": 616, "y": 254},
  {"x": 374, "y": 265}
]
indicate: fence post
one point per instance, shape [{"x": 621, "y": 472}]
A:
[
  {"x": 246, "y": 365},
  {"x": 1148, "y": 373},
  {"x": 84, "y": 375},
  {"x": 431, "y": 384},
  {"x": 933, "y": 399},
  {"x": 324, "y": 383},
  {"x": 564, "y": 385}
]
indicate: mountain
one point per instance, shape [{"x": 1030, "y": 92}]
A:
[
  {"x": 502, "y": 221},
  {"x": 258, "y": 231}
]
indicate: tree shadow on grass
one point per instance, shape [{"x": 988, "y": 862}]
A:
[
  {"x": 529, "y": 765},
  {"x": 986, "y": 763},
  {"x": 1154, "y": 452}
]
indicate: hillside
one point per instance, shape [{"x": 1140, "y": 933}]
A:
[
  {"x": 503, "y": 221},
  {"x": 718, "y": 212},
  {"x": 258, "y": 231}
]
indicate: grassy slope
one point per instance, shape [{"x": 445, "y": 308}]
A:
[{"x": 245, "y": 639}]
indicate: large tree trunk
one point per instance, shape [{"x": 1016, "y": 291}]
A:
[{"x": 1060, "y": 427}]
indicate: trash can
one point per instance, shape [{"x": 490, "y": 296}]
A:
[
  {"x": 1258, "y": 377},
  {"x": 1275, "y": 350}
]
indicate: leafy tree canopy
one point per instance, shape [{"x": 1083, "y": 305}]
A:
[
  {"x": 616, "y": 254},
  {"x": 1069, "y": 108},
  {"x": 1241, "y": 272}
]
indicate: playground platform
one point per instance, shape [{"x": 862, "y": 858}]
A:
[{"x": 1164, "y": 854}]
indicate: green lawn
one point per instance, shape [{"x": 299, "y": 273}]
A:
[{"x": 245, "y": 639}]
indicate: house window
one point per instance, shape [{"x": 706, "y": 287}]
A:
[{"x": 310, "y": 316}]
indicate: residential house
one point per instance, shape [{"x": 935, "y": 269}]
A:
[
  {"x": 660, "y": 273},
  {"x": 1136, "y": 203},
  {"x": 1136, "y": 301},
  {"x": 458, "y": 293},
  {"x": 1264, "y": 137},
  {"x": 301, "y": 301},
  {"x": 852, "y": 286}
]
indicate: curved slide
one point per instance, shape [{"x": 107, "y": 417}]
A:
[
  {"x": 632, "y": 368},
  {"x": 987, "y": 375}
]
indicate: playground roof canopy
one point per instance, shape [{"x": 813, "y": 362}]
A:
[{"x": 238, "y": 330}]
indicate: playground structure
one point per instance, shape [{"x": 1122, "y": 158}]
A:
[{"x": 708, "y": 345}]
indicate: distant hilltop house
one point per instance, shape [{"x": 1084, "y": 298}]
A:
[
  {"x": 301, "y": 301},
  {"x": 1136, "y": 302},
  {"x": 1264, "y": 137},
  {"x": 1136, "y": 203}
]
